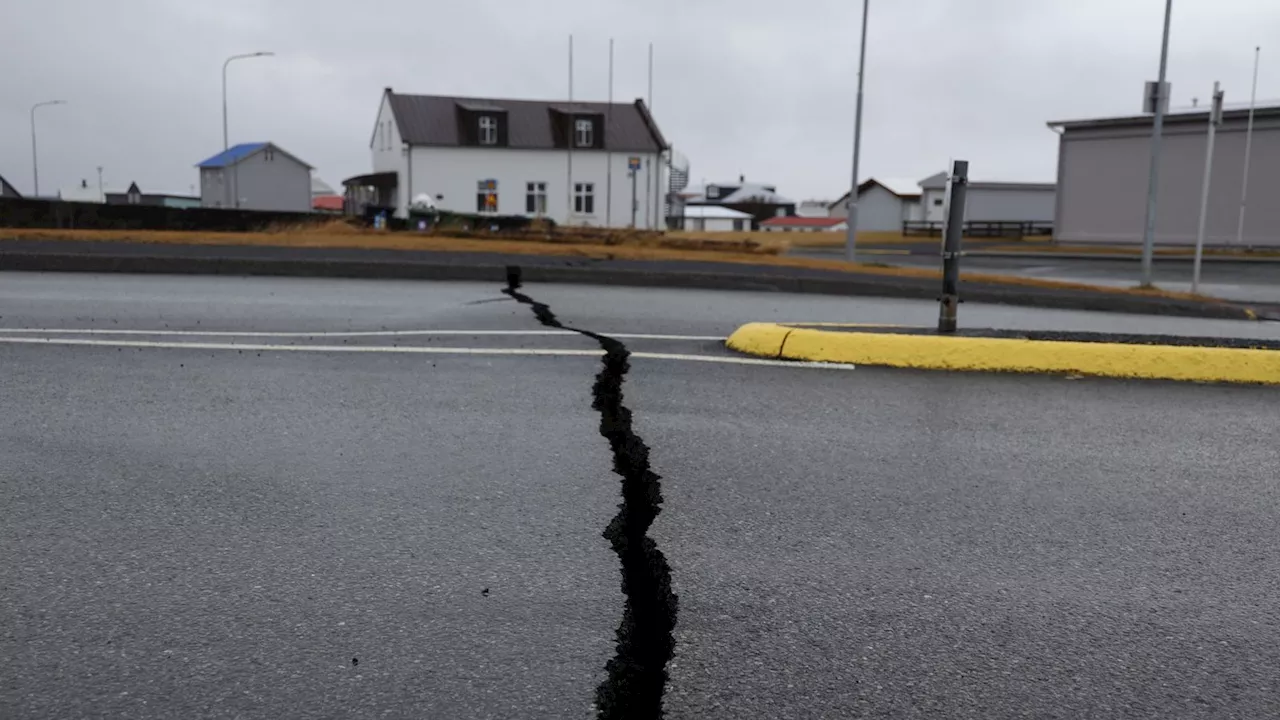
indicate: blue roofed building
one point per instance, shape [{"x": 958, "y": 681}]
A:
[{"x": 256, "y": 176}]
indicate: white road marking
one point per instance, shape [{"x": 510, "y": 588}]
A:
[
  {"x": 342, "y": 333},
  {"x": 411, "y": 349}
]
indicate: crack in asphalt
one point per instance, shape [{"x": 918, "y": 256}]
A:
[{"x": 637, "y": 673}]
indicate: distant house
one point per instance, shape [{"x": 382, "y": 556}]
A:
[
  {"x": 256, "y": 176},
  {"x": 991, "y": 201},
  {"x": 883, "y": 204},
  {"x": 327, "y": 204},
  {"x": 715, "y": 218},
  {"x": 7, "y": 190},
  {"x": 84, "y": 193},
  {"x": 814, "y": 208},
  {"x": 570, "y": 162},
  {"x": 758, "y": 200},
  {"x": 135, "y": 196},
  {"x": 794, "y": 223}
]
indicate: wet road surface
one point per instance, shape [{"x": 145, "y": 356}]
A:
[{"x": 397, "y": 528}]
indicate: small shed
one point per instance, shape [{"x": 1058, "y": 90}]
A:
[{"x": 714, "y": 218}]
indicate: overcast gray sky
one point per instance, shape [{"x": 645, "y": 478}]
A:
[{"x": 755, "y": 87}]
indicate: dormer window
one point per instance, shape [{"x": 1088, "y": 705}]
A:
[
  {"x": 488, "y": 130},
  {"x": 584, "y": 133}
]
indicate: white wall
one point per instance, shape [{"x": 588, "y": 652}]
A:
[
  {"x": 716, "y": 224},
  {"x": 455, "y": 171},
  {"x": 388, "y": 152},
  {"x": 934, "y": 203}
]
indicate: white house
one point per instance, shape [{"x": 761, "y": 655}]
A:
[
  {"x": 715, "y": 218},
  {"x": 583, "y": 163},
  {"x": 883, "y": 204}
]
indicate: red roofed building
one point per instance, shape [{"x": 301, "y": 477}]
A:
[
  {"x": 327, "y": 203},
  {"x": 792, "y": 223}
]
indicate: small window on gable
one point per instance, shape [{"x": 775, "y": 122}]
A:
[
  {"x": 584, "y": 133},
  {"x": 488, "y": 130},
  {"x": 937, "y": 202},
  {"x": 269, "y": 155}
]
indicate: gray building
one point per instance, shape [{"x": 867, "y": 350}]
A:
[
  {"x": 1102, "y": 179},
  {"x": 883, "y": 204},
  {"x": 991, "y": 201},
  {"x": 256, "y": 176}
]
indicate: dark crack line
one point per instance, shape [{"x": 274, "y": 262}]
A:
[{"x": 637, "y": 674}]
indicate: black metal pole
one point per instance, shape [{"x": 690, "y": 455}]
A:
[{"x": 956, "y": 191}]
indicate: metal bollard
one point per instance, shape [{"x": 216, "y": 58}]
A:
[{"x": 957, "y": 187}]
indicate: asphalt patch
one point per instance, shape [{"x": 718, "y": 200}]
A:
[
  {"x": 1061, "y": 336},
  {"x": 637, "y": 674}
]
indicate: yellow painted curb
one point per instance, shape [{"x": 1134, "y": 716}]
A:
[{"x": 932, "y": 352}]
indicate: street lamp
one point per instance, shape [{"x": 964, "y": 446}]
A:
[
  {"x": 851, "y": 216},
  {"x": 1153, "y": 172},
  {"x": 35, "y": 163},
  {"x": 226, "y": 145}
]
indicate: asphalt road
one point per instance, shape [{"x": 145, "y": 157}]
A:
[
  {"x": 1242, "y": 281},
  {"x": 311, "y": 522}
]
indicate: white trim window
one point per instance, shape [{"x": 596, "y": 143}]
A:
[
  {"x": 584, "y": 198},
  {"x": 583, "y": 133},
  {"x": 535, "y": 199},
  {"x": 487, "y": 196},
  {"x": 488, "y": 130}
]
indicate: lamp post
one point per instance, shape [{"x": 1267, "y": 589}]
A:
[
  {"x": 226, "y": 145},
  {"x": 1153, "y": 172},
  {"x": 851, "y": 217},
  {"x": 35, "y": 163}
]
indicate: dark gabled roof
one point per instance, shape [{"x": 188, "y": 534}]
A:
[
  {"x": 1178, "y": 116},
  {"x": 433, "y": 120},
  {"x": 7, "y": 190}
]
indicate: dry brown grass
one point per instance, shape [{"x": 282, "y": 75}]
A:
[{"x": 413, "y": 241}]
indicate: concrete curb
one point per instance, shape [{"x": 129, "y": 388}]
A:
[
  {"x": 1002, "y": 354},
  {"x": 310, "y": 262}
]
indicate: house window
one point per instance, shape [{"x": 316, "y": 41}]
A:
[
  {"x": 937, "y": 202},
  {"x": 488, "y": 130},
  {"x": 584, "y": 198},
  {"x": 582, "y": 135},
  {"x": 269, "y": 155},
  {"x": 535, "y": 199},
  {"x": 737, "y": 225},
  {"x": 134, "y": 198},
  {"x": 487, "y": 196}
]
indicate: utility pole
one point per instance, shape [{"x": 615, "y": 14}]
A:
[
  {"x": 1248, "y": 148},
  {"x": 35, "y": 162},
  {"x": 851, "y": 219},
  {"x": 1215, "y": 119},
  {"x": 608, "y": 148},
  {"x": 1153, "y": 173}
]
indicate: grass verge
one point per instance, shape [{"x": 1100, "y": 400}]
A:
[{"x": 642, "y": 250}]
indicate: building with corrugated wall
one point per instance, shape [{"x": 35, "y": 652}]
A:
[{"x": 1102, "y": 179}]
